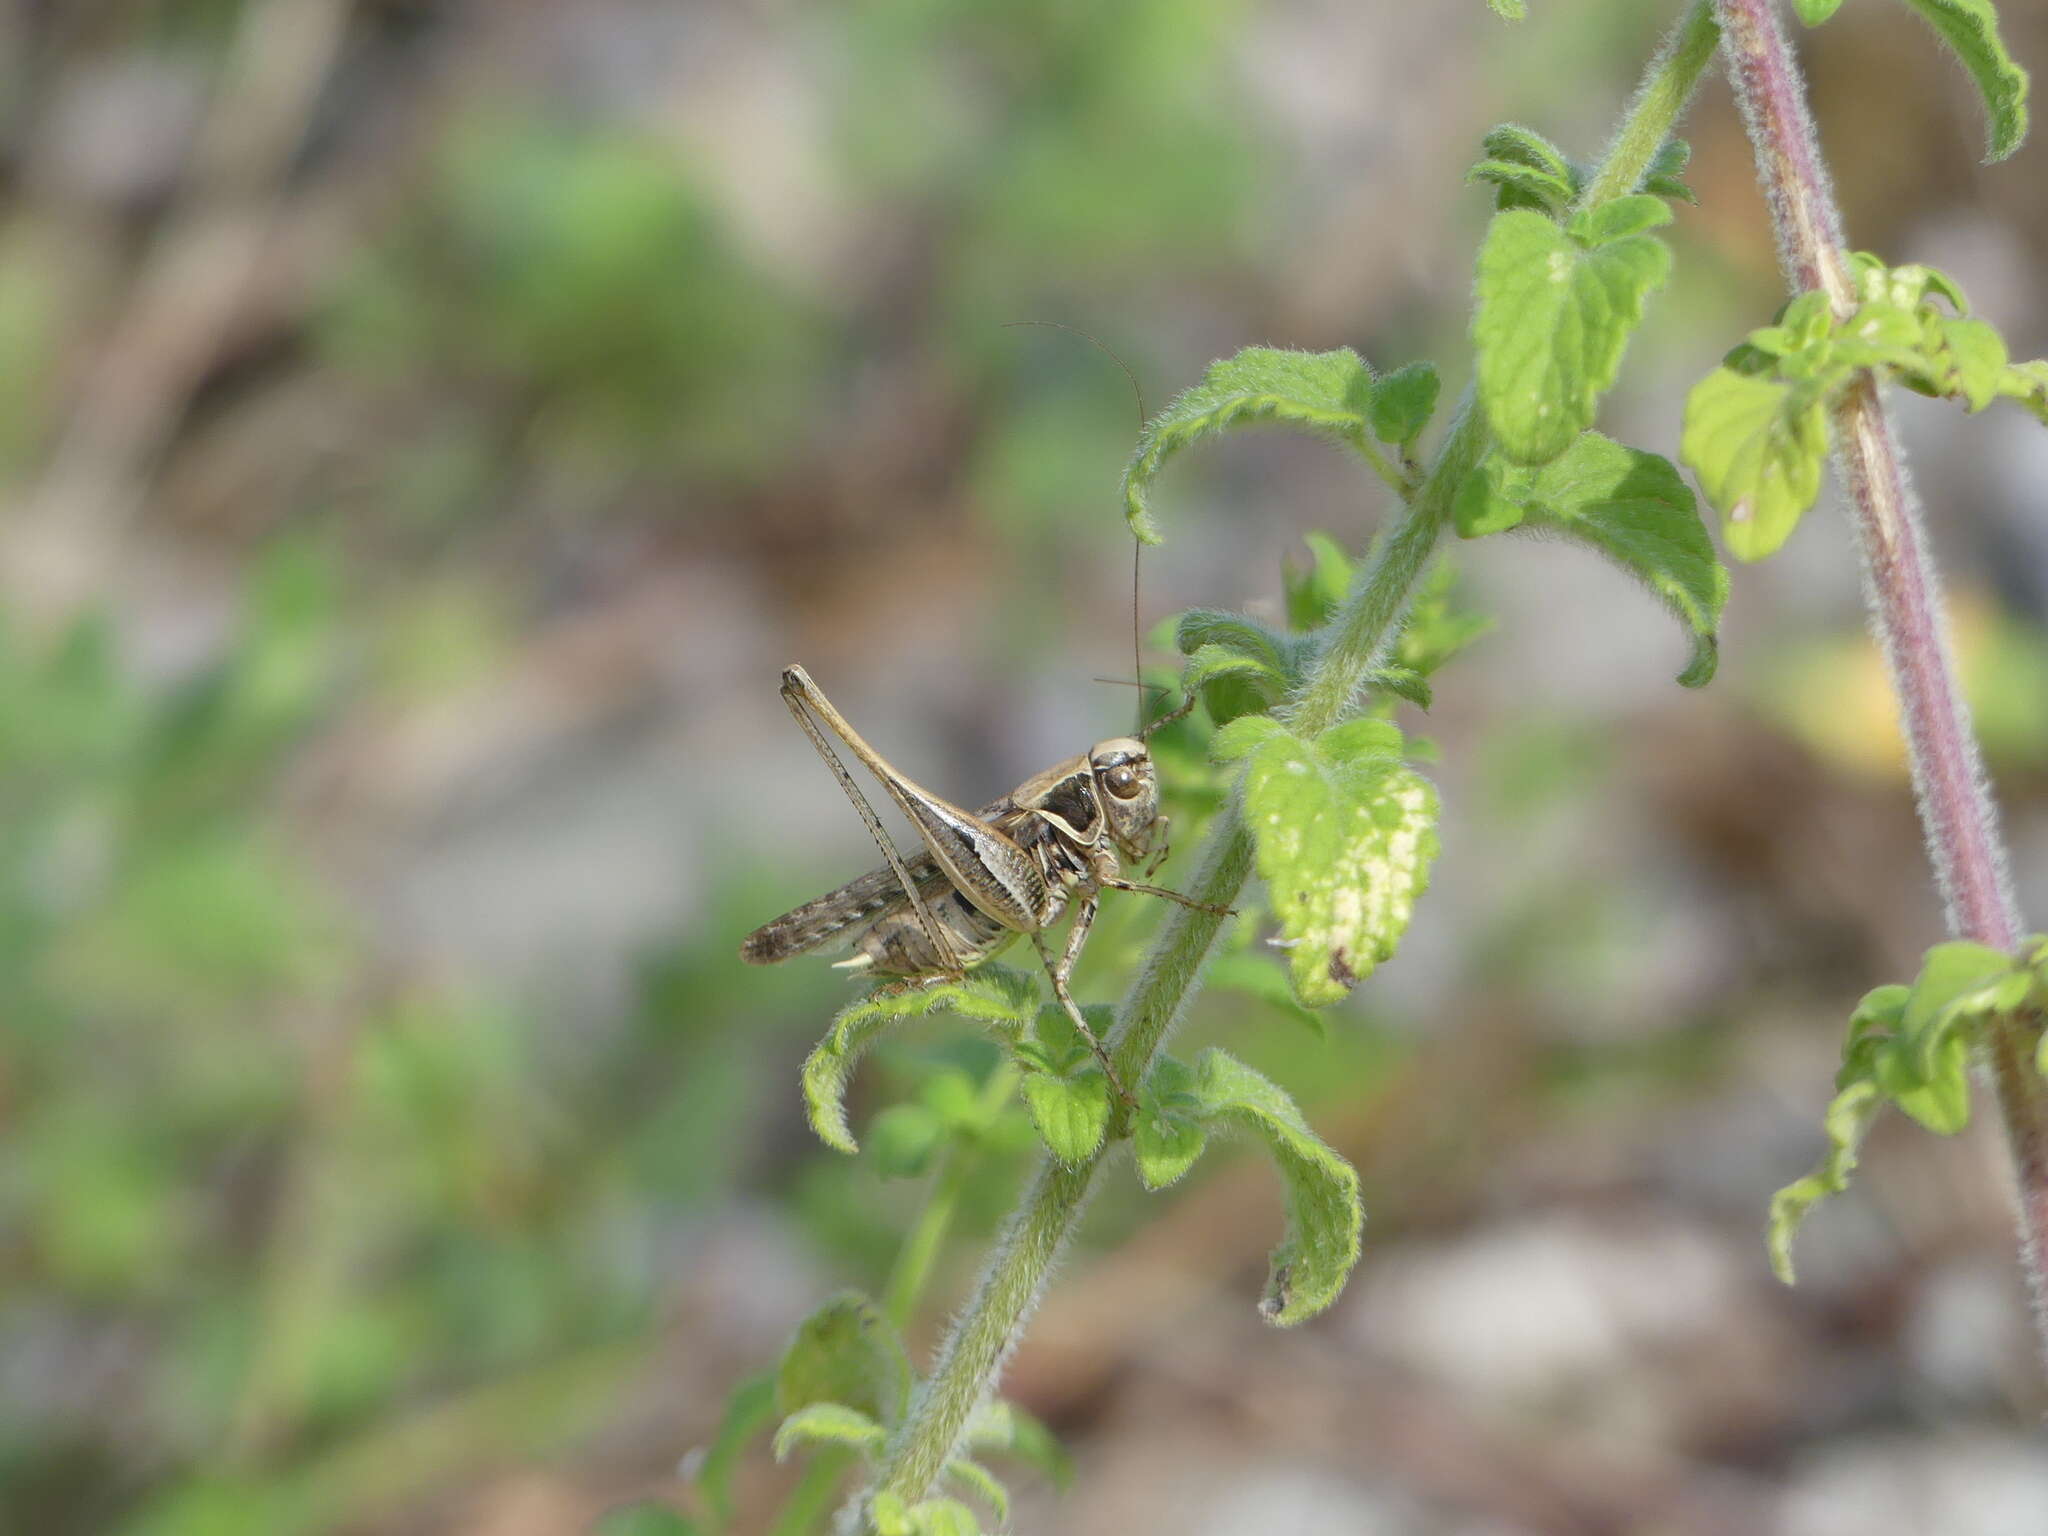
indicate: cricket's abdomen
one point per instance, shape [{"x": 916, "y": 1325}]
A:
[{"x": 897, "y": 944}]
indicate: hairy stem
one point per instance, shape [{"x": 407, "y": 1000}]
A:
[
  {"x": 1667, "y": 87},
  {"x": 972, "y": 1358},
  {"x": 1963, "y": 842}
]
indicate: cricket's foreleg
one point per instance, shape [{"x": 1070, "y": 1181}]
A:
[
  {"x": 1059, "y": 970},
  {"x": 1118, "y": 883}
]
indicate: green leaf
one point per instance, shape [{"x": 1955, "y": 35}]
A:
[
  {"x": 1848, "y": 1117},
  {"x": 1214, "y": 661},
  {"x": 1322, "y": 392},
  {"x": 1202, "y": 629},
  {"x": 1618, "y": 218},
  {"x": 943, "y": 1517},
  {"x": 1169, "y": 1135},
  {"x": 1241, "y": 737},
  {"x": 1000, "y": 1426},
  {"x": 903, "y": 1140},
  {"x": 1522, "y": 186},
  {"x": 1814, "y": 12},
  {"x": 828, "y": 1424},
  {"x": 1937, "y": 1092},
  {"x": 974, "y": 1478},
  {"x": 2028, "y": 384},
  {"x": 1324, "y": 1215},
  {"x": 1402, "y": 683},
  {"x": 1954, "y": 973},
  {"x": 1071, "y": 1113},
  {"x": 1402, "y": 403},
  {"x": 749, "y": 1409},
  {"x": 1509, "y": 10},
  {"x": 1635, "y": 508},
  {"x": 1344, "y": 836},
  {"x": 1553, "y": 319},
  {"x": 848, "y": 1353},
  {"x": 993, "y": 994},
  {"x": 1438, "y": 628},
  {"x": 1317, "y": 593},
  {"x": 1759, "y": 447},
  {"x": 1970, "y": 28},
  {"x": 1525, "y": 146},
  {"x": 1063, "y": 1084},
  {"x": 1977, "y": 358},
  {"x": 1482, "y": 504},
  {"x": 1665, "y": 177},
  {"x": 888, "y": 1514}
]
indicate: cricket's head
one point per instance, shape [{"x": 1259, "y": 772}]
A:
[{"x": 1129, "y": 792}]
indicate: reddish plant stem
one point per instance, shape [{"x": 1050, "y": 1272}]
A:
[{"x": 1963, "y": 841}]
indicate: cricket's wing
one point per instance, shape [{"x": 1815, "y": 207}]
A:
[{"x": 833, "y": 921}]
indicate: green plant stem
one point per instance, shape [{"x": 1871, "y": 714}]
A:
[
  {"x": 812, "y": 1497},
  {"x": 920, "y": 1250},
  {"x": 971, "y": 1361},
  {"x": 1963, "y": 842},
  {"x": 1666, "y": 88}
]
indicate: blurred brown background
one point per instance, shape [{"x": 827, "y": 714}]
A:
[{"x": 426, "y": 429}]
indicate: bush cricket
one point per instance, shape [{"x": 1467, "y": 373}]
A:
[{"x": 1059, "y": 839}]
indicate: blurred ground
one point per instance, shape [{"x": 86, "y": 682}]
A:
[{"x": 426, "y": 429}]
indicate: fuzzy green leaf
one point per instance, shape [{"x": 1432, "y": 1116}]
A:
[
  {"x": 1848, "y": 1117},
  {"x": 1553, "y": 318},
  {"x": 1006, "y": 1428},
  {"x": 1316, "y": 593},
  {"x": 972, "y": 1477},
  {"x": 1522, "y": 186},
  {"x": 1525, "y": 146},
  {"x": 1618, "y": 218},
  {"x": 1665, "y": 177},
  {"x": 1759, "y": 447},
  {"x": 943, "y": 1517},
  {"x": 1324, "y": 1215},
  {"x": 1063, "y": 1084},
  {"x": 1977, "y": 358},
  {"x": 1814, "y": 12},
  {"x": 1482, "y": 504},
  {"x": 749, "y": 1409},
  {"x": 1071, "y": 1113},
  {"x": 1634, "y": 508},
  {"x": 1169, "y": 1135},
  {"x": 1344, "y": 835},
  {"x": 846, "y": 1353},
  {"x": 1242, "y": 737},
  {"x": 1261, "y": 977},
  {"x": 1959, "y": 973},
  {"x": 903, "y": 1139},
  {"x": 2028, "y": 384},
  {"x": 993, "y": 995},
  {"x": 1214, "y": 661},
  {"x": 1203, "y": 628},
  {"x": 1402, "y": 403},
  {"x": 1510, "y": 10},
  {"x": 1970, "y": 28},
  {"x": 1322, "y": 392},
  {"x": 828, "y": 1424}
]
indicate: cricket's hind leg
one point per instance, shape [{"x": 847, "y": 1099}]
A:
[{"x": 1062, "y": 968}]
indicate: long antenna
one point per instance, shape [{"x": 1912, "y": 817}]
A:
[{"x": 1137, "y": 544}]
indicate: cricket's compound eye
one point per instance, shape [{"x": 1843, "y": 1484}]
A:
[{"x": 1123, "y": 781}]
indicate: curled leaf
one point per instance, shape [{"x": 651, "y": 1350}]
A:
[
  {"x": 1323, "y": 392},
  {"x": 993, "y": 994},
  {"x": 1324, "y": 1215}
]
